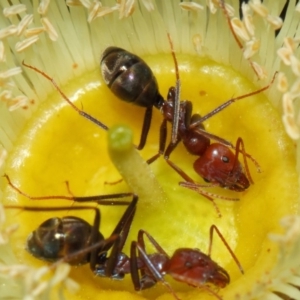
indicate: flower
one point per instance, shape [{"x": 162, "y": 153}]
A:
[{"x": 66, "y": 43}]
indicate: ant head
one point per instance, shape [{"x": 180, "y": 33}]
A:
[
  {"x": 196, "y": 268},
  {"x": 219, "y": 165}
]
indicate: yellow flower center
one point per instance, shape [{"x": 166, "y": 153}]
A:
[{"x": 59, "y": 145}]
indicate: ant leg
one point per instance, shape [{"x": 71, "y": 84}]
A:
[
  {"x": 245, "y": 154},
  {"x": 113, "y": 182},
  {"x": 145, "y": 128},
  {"x": 229, "y": 102},
  {"x": 179, "y": 171},
  {"x": 141, "y": 282},
  {"x": 214, "y": 137},
  {"x": 240, "y": 148},
  {"x": 126, "y": 218},
  {"x": 121, "y": 230},
  {"x": 81, "y": 112},
  {"x": 141, "y": 243},
  {"x": 146, "y": 282},
  {"x": 216, "y": 229},
  {"x": 171, "y": 148},
  {"x": 190, "y": 184},
  {"x": 68, "y": 257},
  {"x": 100, "y": 199},
  {"x": 162, "y": 142},
  {"x": 176, "y": 99}
]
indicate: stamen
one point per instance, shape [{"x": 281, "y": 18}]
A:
[
  {"x": 33, "y": 31},
  {"x": 275, "y": 21},
  {"x": 10, "y": 72},
  {"x": 8, "y": 31},
  {"x": 17, "y": 102},
  {"x": 197, "y": 42},
  {"x": 259, "y": 70},
  {"x": 191, "y": 6},
  {"x": 291, "y": 127},
  {"x": 295, "y": 89},
  {"x": 93, "y": 10},
  {"x": 103, "y": 11},
  {"x": 148, "y": 4},
  {"x": 251, "y": 47},
  {"x": 21, "y": 46},
  {"x": 247, "y": 18},
  {"x": 2, "y": 52},
  {"x": 259, "y": 8},
  {"x": 282, "y": 82},
  {"x": 126, "y": 8},
  {"x": 85, "y": 3},
  {"x": 240, "y": 29},
  {"x": 14, "y": 10},
  {"x": 288, "y": 106},
  {"x": 295, "y": 65},
  {"x": 3, "y": 155},
  {"x": 52, "y": 33},
  {"x": 73, "y": 2},
  {"x": 285, "y": 55},
  {"x": 25, "y": 22},
  {"x": 43, "y": 7},
  {"x": 212, "y": 5}
]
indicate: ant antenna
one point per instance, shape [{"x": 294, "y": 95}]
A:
[
  {"x": 177, "y": 95},
  {"x": 82, "y": 113},
  {"x": 211, "y": 232},
  {"x": 227, "y": 103},
  {"x": 100, "y": 199}
]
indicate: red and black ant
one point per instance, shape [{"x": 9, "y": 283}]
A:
[
  {"x": 187, "y": 265},
  {"x": 217, "y": 164},
  {"x": 67, "y": 238},
  {"x": 71, "y": 239},
  {"x": 132, "y": 80}
]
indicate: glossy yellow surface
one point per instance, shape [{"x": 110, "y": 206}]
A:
[{"x": 59, "y": 145}]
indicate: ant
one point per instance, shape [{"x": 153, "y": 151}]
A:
[
  {"x": 73, "y": 240},
  {"x": 67, "y": 238},
  {"x": 132, "y": 80},
  {"x": 187, "y": 265}
]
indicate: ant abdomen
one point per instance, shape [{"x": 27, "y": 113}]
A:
[
  {"x": 129, "y": 77},
  {"x": 57, "y": 237}
]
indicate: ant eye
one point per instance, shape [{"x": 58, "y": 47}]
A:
[
  {"x": 225, "y": 159},
  {"x": 205, "y": 179}
]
